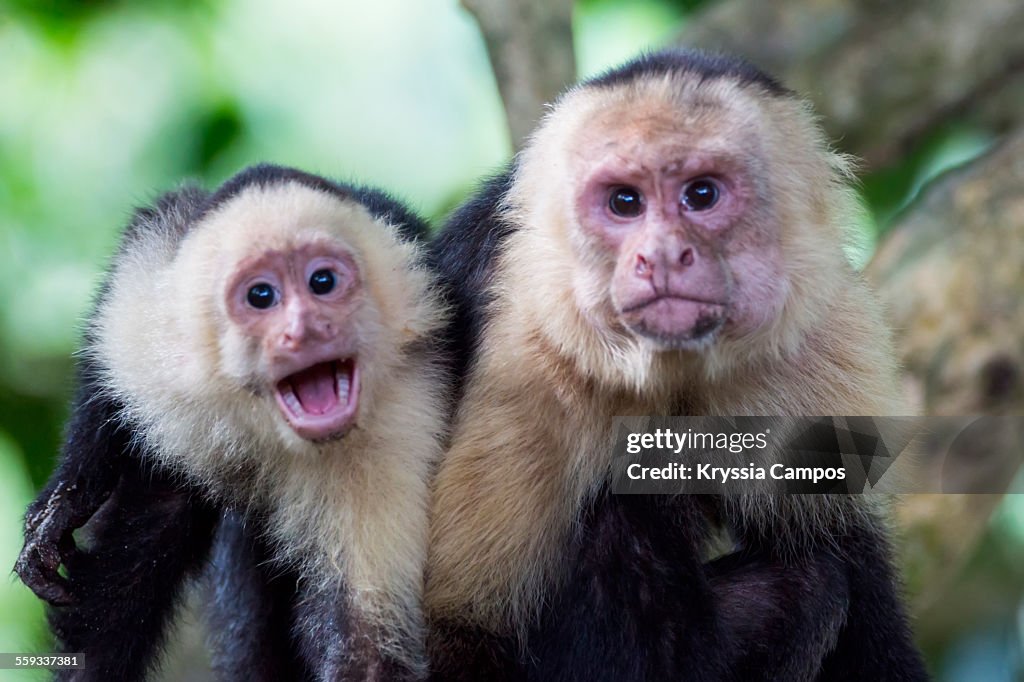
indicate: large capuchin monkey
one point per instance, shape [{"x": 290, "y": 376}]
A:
[
  {"x": 669, "y": 242},
  {"x": 267, "y": 349}
]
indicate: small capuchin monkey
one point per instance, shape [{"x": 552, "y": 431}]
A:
[
  {"x": 269, "y": 350},
  {"x": 669, "y": 242}
]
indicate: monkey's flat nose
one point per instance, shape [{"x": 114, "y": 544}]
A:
[
  {"x": 295, "y": 332},
  {"x": 308, "y": 331}
]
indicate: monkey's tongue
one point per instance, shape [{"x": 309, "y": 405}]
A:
[{"x": 316, "y": 389}]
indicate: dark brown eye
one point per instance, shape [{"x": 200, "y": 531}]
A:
[
  {"x": 321, "y": 282},
  {"x": 261, "y": 296},
  {"x": 626, "y": 202},
  {"x": 700, "y": 195}
]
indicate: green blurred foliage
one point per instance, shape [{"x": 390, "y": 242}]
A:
[
  {"x": 608, "y": 32},
  {"x": 21, "y": 614},
  {"x": 104, "y": 104},
  {"x": 891, "y": 190}
]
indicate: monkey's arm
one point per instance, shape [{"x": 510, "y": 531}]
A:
[
  {"x": 637, "y": 604},
  {"x": 250, "y": 613},
  {"x": 128, "y": 579},
  {"x": 784, "y": 619},
  {"x": 266, "y": 625},
  {"x": 94, "y": 453},
  {"x": 147, "y": 532},
  {"x": 466, "y": 653},
  {"x": 97, "y": 443},
  {"x": 876, "y": 641},
  {"x": 831, "y": 611}
]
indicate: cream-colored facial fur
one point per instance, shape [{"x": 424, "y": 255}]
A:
[
  {"x": 531, "y": 438},
  {"x": 353, "y": 509}
]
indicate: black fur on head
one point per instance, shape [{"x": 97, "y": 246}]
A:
[
  {"x": 381, "y": 206},
  {"x": 708, "y": 66}
]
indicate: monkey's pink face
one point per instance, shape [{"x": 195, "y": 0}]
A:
[
  {"x": 298, "y": 305},
  {"x": 694, "y": 253}
]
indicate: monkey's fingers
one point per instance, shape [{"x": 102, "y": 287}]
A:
[
  {"x": 47, "y": 545},
  {"x": 48, "y": 504},
  {"x": 38, "y": 567}
]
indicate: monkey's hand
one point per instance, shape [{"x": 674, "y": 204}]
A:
[{"x": 49, "y": 523}]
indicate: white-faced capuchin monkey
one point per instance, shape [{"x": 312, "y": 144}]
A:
[
  {"x": 669, "y": 242},
  {"x": 267, "y": 349}
]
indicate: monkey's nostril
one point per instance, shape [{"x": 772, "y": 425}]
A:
[
  {"x": 687, "y": 258},
  {"x": 643, "y": 266}
]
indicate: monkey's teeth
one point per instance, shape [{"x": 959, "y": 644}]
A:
[
  {"x": 292, "y": 401},
  {"x": 343, "y": 383}
]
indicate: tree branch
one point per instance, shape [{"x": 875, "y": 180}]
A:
[
  {"x": 531, "y": 50},
  {"x": 950, "y": 273},
  {"x": 882, "y": 74}
]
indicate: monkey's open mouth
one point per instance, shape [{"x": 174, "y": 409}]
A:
[{"x": 320, "y": 401}]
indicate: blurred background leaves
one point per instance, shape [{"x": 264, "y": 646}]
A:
[{"x": 106, "y": 103}]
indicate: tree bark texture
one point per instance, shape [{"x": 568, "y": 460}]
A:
[{"x": 531, "y": 50}]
